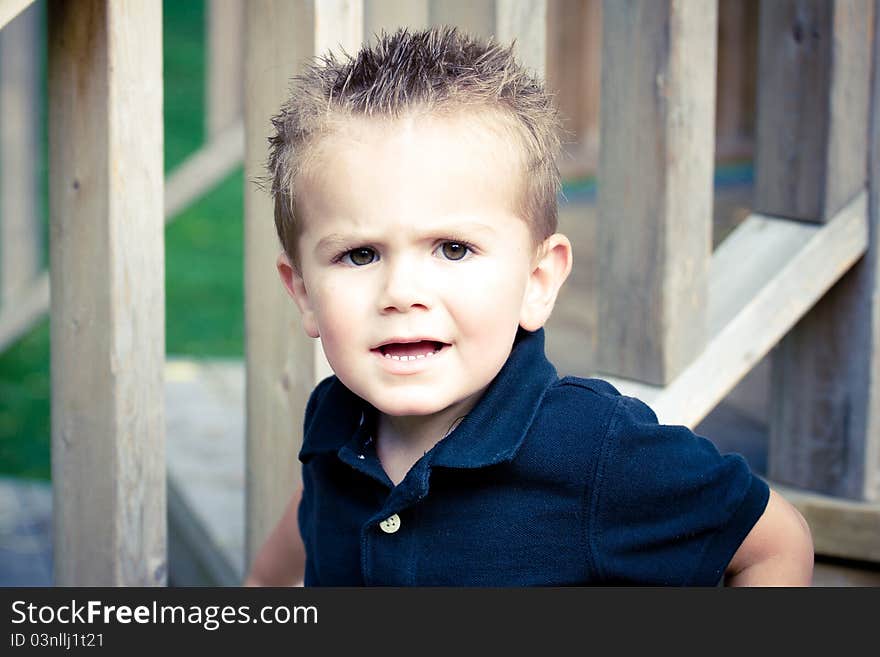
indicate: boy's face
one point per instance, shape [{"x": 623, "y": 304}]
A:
[{"x": 415, "y": 270}]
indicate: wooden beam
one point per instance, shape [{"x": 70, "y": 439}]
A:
[
  {"x": 9, "y": 9},
  {"x": 814, "y": 63},
  {"x": 764, "y": 277},
  {"x": 108, "y": 302},
  {"x": 737, "y": 72},
  {"x": 825, "y": 380},
  {"x": 21, "y": 217},
  {"x": 224, "y": 70},
  {"x": 524, "y": 21},
  {"x": 282, "y": 362},
  {"x": 655, "y": 186},
  {"x": 574, "y": 53}
]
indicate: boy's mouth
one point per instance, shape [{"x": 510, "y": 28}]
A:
[{"x": 410, "y": 350}]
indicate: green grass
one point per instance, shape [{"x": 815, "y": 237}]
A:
[{"x": 203, "y": 268}]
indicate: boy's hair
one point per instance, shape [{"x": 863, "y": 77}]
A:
[{"x": 435, "y": 71}]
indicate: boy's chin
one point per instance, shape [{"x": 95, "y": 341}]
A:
[{"x": 408, "y": 407}]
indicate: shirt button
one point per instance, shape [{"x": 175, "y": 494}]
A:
[{"x": 391, "y": 524}]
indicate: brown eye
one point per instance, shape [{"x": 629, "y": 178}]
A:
[
  {"x": 454, "y": 250},
  {"x": 362, "y": 256}
]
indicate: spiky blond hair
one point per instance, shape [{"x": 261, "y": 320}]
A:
[{"x": 435, "y": 71}]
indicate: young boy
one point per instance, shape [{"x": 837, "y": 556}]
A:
[{"x": 415, "y": 196}]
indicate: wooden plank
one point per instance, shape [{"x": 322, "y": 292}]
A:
[
  {"x": 814, "y": 62},
  {"x": 473, "y": 16},
  {"x": 282, "y": 362},
  {"x": 339, "y": 26},
  {"x": 841, "y": 528},
  {"x": 9, "y": 9},
  {"x": 224, "y": 72},
  {"x": 755, "y": 307},
  {"x": 388, "y": 15},
  {"x": 21, "y": 241},
  {"x": 108, "y": 310},
  {"x": 824, "y": 400},
  {"x": 524, "y": 21},
  {"x": 737, "y": 72},
  {"x": 574, "y": 53},
  {"x": 655, "y": 186}
]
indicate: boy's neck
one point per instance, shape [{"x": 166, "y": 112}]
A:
[{"x": 403, "y": 440}]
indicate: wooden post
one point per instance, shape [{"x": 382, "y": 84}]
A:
[
  {"x": 812, "y": 106},
  {"x": 737, "y": 68},
  {"x": 574, "y": 49},
  {"x": 224, "y": 71},
  {"x": 283, "y": 364},
  {"x": 526, "y": 22},
  {"x": 108, "y": 306},
  {"x": 20, "y": 154},
  {"x": 825, "y": 395},
  {"x": 655, "y": 185}
]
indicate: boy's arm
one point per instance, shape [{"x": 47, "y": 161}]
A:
[
  {"x": 777, "y": 552},
  {"x": 282, "y": 559}
]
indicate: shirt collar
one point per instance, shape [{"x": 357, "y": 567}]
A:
[{"x": 491, "y": 433}]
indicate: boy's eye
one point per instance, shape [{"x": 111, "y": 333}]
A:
[
  {"x": 454, "y": 250},
  {"x": 360, "y": 256}
]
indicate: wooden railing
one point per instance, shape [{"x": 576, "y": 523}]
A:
[{"x": 679, "y": 325}]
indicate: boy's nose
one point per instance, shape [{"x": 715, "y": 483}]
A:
[{"x": 402, "y": 289}]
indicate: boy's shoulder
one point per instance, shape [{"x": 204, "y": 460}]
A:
[{"x": 576, "y": 396}]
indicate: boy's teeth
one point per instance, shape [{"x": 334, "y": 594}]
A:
[
  {"x": 411, "y": 350},
  {"x": 431, "y": 353}
]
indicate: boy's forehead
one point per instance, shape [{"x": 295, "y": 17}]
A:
[{"x": 449, "y": 164}]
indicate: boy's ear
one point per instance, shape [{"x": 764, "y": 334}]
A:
[
  {"x": 296, "y": 287},
  {"x": 552, "y": 267}
]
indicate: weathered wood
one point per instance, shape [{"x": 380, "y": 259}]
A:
[
  {"x": 737, "y": 71},
  {"x": 388, "y": 15},
  {"x": 763, "y": 278},
  {"x": 524, "y": 21},
  {"x": 339, "y": 26},
  {"x": 9, "y": 9},
  {"x": 824, "y": 424},
  {"x": 574, "y": 48},
  {"x": 473, "y": 16},
  {"x": 282, "y": 362},
  {"x": 20, "y": 154},
  {"x": 224, "y": 70},
  {"x": 841, "y": 528},
  {"x": 814, "y": 64},
  {"x": 202, "y": 170},
  {"x": 655, "y": 186},
  {"x": 108, "y": 311}
]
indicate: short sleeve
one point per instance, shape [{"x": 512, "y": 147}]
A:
[{"x": 668, "y": 508}]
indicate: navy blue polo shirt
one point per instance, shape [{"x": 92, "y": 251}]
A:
[{"x": 546, "y": 481}]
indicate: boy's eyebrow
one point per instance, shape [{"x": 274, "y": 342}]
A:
[{"x": 335, "y": 241}]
